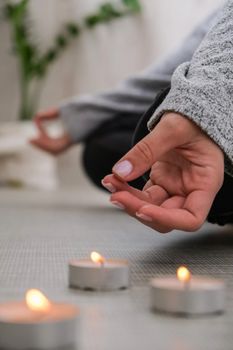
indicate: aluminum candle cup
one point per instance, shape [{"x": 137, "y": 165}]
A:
[
  {"x": 98, "y": 273},
  {"x": 196, "y": 296},
  {"x": 24, "y": 328}
]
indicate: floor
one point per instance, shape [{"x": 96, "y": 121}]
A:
[{"x": 42, "y": 231}]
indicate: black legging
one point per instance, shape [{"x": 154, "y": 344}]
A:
[
  {"x": 107, "y": 145},
  {"x": 114, "y": 138}
]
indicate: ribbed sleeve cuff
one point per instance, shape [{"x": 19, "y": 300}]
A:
[
  {"x": 68, "y": 116},
  {"x": 204, "y": 107}
]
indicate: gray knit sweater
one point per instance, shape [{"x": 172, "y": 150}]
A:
[
  {"x": 83, "y": 115},
  {"x": 202, "y": 89}
]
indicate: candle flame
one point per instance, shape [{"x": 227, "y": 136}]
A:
[
  {"x": 97, "y": 258},
  {"x": 183, "y": 274},
  {"x": 37, "y": 301}
]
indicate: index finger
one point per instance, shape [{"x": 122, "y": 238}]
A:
[{"x": 45, "y": 116}]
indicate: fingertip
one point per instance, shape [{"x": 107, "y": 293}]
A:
[
  {"x": 123, "y": 169},
  {"x": 32, "y": 141},
  {"x": 115, "y": 182},
  {"x": 109, "y": 186},
  {"x": 144, "y": 217},
  {"x": 119, "y": 197},
  {"x": 146, "y": 209},
  {"x": 118, "y": 204},
  {"x": 107, "y": 178},
  {"x": 154, "y": 212}
]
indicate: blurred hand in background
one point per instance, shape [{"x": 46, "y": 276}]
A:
[{"x": 46, "y": 142}]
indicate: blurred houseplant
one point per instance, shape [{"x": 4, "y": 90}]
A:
[
  {"x": 33, "y": 65},
  {"x": 19, "y": 162}
]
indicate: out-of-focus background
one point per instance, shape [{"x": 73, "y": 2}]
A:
[
  {"x": 97, "y": 60},
  {"x": 102, "y": 57},
  {"x": 51, "y": 214}
]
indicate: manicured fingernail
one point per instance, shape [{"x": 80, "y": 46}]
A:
[
  {"x": 109, "y": 186},
  {"x": 144, "y": 217},
  {"x": 123, "y": 168},
  {"x": 118, "y": 204}
]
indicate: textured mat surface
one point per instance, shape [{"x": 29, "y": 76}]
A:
[{"x": 41, "y": 232}]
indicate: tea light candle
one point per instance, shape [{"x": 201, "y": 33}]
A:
[
  {"x": 187, "y": 295},
  {"x": 37, "y": 323},
  {"x": 98, "y": 273}
]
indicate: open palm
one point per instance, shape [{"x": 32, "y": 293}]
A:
[{"x": 186, "y": 174}]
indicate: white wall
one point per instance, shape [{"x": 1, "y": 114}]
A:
[{"x": 102, "y": 57}]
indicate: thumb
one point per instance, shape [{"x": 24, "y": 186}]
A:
[{"x": 164, "y": 137}]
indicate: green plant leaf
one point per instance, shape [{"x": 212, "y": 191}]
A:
[
  {"x": 8, "y": 11},
  {"x": 92, "y": 21},
  {"x": 105, "y": 13},
  {"x": 51, "y": 55},
  {"x": 73, "y": 29},
  {"x": 40, "y": 69},
  {"x": 108, "y": 11},
  {"x": 61, "y": 41},
  {"x": 12, "y": 10},
  {"x": 33, "y": 65},
  {"x": 21, "y": 8},
  {"x": 132, "y": 4}
]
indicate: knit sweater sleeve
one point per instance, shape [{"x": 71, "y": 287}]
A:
[
  {"x": 202, "y": 89},
  {"x": 82, "y": 115}
]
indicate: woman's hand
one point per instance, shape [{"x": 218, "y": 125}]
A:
[
  {"x": 49, "y": 144},
  {"x": 187, "y": 171}
]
